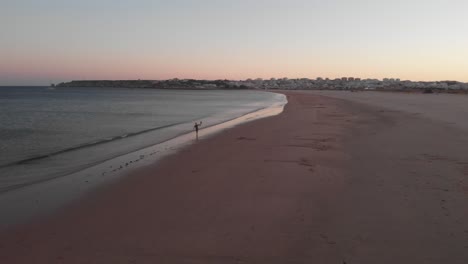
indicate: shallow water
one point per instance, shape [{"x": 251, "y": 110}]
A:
[{"x": 47, "y": 133}]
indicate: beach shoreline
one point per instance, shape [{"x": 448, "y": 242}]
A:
[
  {"x": 48, "y": 134},
  {"x": 326, "y": 181},
  {"x": 38, "y": 200}
]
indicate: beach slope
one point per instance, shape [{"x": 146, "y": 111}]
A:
[{"x": 327, "y": 181}]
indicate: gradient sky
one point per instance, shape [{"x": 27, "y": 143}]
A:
[{"x": 43, "y": 41}]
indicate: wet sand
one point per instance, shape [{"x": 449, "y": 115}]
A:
[{"x": 327, "y": 181}]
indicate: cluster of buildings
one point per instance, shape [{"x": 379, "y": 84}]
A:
[
  {"x": 345, "y": 83},
  {"x": 349, "y": 83}
]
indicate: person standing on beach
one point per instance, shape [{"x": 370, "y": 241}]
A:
[{"x": 196, "y": 126}]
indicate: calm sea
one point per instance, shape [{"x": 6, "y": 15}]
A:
[{"x": 48, "y": 133}]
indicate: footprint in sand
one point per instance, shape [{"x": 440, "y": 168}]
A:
[
  {"x": 245, "y": 138},
  {"x": 327, "y": 240}
]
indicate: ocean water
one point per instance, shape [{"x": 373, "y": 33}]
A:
[{"x": 45, "y": 134}]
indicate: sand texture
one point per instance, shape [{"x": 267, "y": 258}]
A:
[{"x": 327, "y": 181}]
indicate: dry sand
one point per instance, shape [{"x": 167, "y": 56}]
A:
[
  {"x": 446, "y": 108},
  {"x": 327, "y": 181}
]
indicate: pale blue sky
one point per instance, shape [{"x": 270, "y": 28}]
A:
[{"x": 50, "y": 41}]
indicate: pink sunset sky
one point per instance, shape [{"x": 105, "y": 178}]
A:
[{"x": 56, "y": 41}]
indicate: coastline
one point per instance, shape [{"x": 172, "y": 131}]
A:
[
  {"x": 74, "y": 135},
  {"x": 38, "y": 200},
  {"x": 327, "y": 181}
]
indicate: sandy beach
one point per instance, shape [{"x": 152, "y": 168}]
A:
[{"x": 327, "y": 181}]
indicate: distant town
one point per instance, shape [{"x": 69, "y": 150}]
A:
[{"x": 345, "y": 83}]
